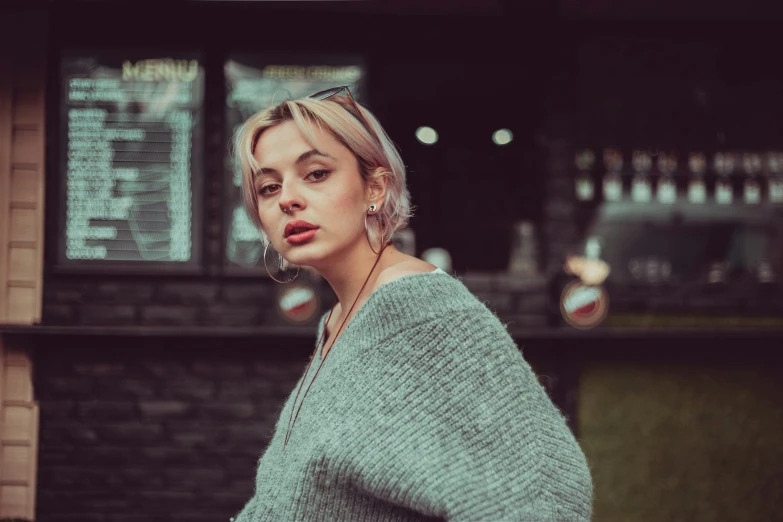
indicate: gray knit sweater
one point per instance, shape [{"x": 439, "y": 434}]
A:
[{"x": 424, "y": 410}]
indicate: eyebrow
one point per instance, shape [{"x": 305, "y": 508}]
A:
[{"x": 301, "y": 159}]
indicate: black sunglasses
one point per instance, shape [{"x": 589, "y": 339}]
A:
[{"x": 328, "y": 93}]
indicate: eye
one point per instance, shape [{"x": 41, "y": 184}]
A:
[
  {"x": 319, "y": 175},
  {"x": 267, "y": 189}
]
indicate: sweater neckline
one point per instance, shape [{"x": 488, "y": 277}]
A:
[{"x": 363, "y": 310}]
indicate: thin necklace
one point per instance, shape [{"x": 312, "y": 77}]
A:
[{"x": 292, "y": 421}]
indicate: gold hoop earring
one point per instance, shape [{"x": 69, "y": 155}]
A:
[
  {"x": 281, "y": 267},
  {"x": 367, "y": 230}
]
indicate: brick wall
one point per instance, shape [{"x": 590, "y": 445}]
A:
[
  {"x": 156, "y": 429},
  {"x": 96, "y": 301},
  {"x": 119, "y": 301}
]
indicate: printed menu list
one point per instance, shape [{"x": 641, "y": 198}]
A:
[{"x": 129, "y": 161}]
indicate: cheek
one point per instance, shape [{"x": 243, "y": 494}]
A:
[
  {"x": 269, "y": 218},
  {"x": 344, "y": 209},
  {"x": 344, "y": 203},
  {"x": 345, "y": 199}
]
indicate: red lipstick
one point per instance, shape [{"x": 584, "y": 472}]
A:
[{"x": 298, "y": 232}]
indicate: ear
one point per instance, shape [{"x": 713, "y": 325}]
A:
[{"x": 376, "y": 185}]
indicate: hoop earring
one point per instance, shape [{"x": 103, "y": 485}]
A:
[
  {"x": 281, "y": 267},
  {"x": 367, "y": 230}
]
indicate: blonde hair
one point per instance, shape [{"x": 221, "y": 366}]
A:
[{"x": 376, "y": 156}]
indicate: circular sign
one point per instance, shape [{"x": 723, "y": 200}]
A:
[
  {"x": 583, "y": 306},
  {"x": 297, "y": 303}
]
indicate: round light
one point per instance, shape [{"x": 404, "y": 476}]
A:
[
  {"x": 502, "y": 137},
  {"x": 426, "y": 135}
]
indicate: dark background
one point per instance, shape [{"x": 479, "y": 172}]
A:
[{"x": 157, "y": 392}]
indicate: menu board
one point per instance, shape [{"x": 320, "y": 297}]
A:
[
  {"x": 131, "y": 134},
  {"x": 254, "y": 83}
]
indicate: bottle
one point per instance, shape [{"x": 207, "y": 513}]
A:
[{"x": 524, "y": 250}]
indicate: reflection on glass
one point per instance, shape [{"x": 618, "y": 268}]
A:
[{"x": 685, "y": 245}]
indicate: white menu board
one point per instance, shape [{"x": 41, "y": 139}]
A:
[{"x": 131, "y": 160}]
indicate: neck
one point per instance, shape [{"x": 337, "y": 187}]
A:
[{"x": 349, "y": 272}]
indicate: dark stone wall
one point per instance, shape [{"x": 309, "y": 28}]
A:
[
  {"x": 115, "y": 301},
  {"x": 156, "y": 429},
  {"x": 155, "y": 301}
]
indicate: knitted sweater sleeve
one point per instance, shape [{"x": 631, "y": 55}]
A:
[{"x": 461, "y": 429}]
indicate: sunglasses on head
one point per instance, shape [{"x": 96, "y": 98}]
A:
[{"x": 328, "y": 93}]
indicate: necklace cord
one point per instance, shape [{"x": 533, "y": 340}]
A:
[{"x": 292, "y": 419}]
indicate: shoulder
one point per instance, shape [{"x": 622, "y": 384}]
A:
[
  {"x": 408, "y": 266},
  {"x": 445, "y": 314}
]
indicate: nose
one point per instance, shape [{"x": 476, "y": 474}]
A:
[{"x": 290, "y": 198}]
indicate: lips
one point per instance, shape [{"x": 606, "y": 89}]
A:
[{"x": 297, "y": 227}]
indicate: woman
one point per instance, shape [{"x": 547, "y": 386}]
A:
[{"x": 425, "y": 408}]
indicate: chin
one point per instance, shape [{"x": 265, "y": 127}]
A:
[
  {"x": 305, "y": 255},
  {"x": 317, "y": 254}
]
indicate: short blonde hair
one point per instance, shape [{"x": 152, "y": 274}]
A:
[{"x": 375, "y": 156}]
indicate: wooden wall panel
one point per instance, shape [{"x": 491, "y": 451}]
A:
[
  {"x": 27, "y": 102},
  {"x": 22, "y": 176},
  {"x": 6, "y": 132},
  {"x": 23, "y": 224},
  {"x": 24, "y": 144},
  {"x": 24, "y": 185},
  {"x": 22, "y": 304},
  {"x": 16, "y": 383},
  {"x": 22, "y": 161},
  {"x": 14, "y": 500},
  {"x": 17, "y": 423},
  {"x": 15, "y": 459},
  {"x": 22, "y": 263},
  {"x": 19, "y": 417}
]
